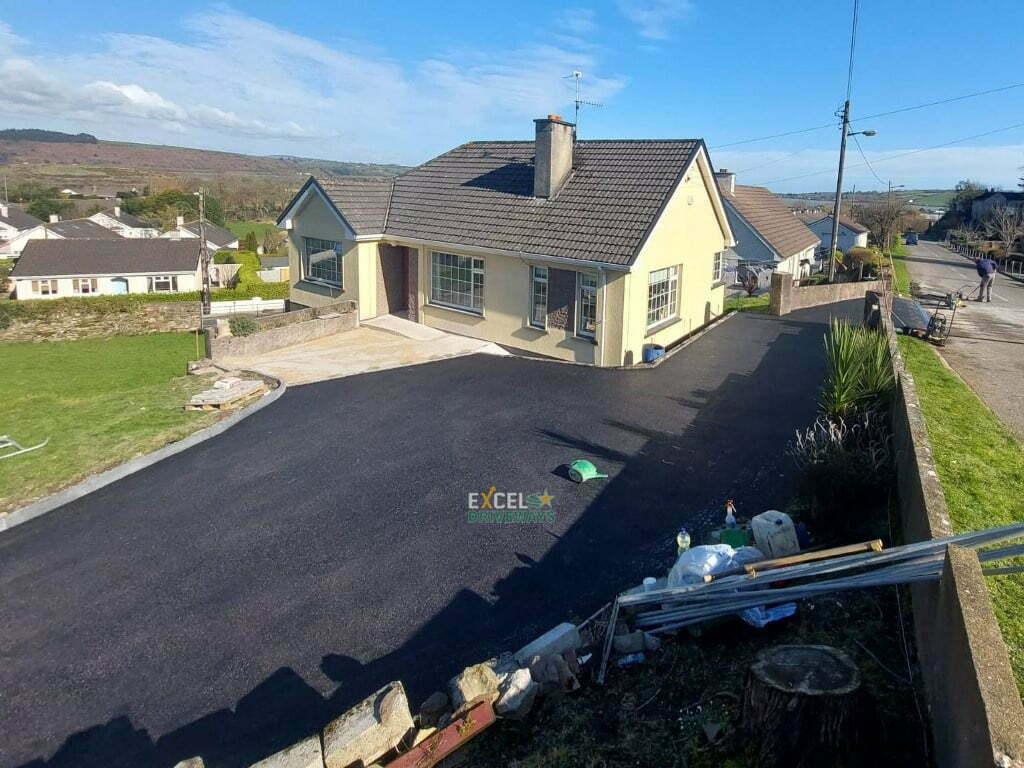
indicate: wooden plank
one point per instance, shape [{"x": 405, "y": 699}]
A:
[
  {"x": 806, "y": 557},
  {"x": 465, "y": 725}
]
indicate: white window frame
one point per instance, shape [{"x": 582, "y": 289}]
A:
[
  {"x": 453, "y": 275},
  {"x": 91, "y": 286},
  {"x": 663, "y": 306},
  {"x": 718, "y": 267},
  {"x": 153, "y": 283},
  {"x": 50, "y": 284},
  {"x": 539, "y": 276},
  {"x": 584, "y": 287},
  {"x": 322, "y": 246}
]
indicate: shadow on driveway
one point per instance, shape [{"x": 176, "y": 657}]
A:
[{"x": 238, "y": 596}]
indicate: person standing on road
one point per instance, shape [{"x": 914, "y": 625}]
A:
[{"x": 987, "y": 272}]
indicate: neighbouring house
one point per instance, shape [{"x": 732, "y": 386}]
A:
[
  {"x": 50, "y": 269},
  {"x": 13, "y": 222},
  {"x": 983, "y": 205},
  {"x": 851, "y": 233},
  {"x": 217, "y": 238},
  {"x": 769, "y": 238},
  {"x": 56, "y": 229},
  {"x": 125, "y": 224},
  {"x": 586, "y": 250}
]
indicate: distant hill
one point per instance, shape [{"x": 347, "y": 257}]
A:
[{"x": 53, "y": 137}]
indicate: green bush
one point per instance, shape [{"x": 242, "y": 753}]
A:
[{"x": 242, "y": 326}]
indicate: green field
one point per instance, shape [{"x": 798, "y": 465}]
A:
[
  {"x": 981, "y": 467},
  {"x": 99, "y": 401},
  {"x": 242, "y": 228}
]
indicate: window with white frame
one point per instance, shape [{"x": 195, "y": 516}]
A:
[
  {"x": 44, "y": 287},
  {"x": 662, "y": 295},
  {"x": 586, "y": 304},
  {"x": 716, "y": 269},
  {"x": 321, "y": 260},
  {"x": 457, "y": 281},
  {"x": 85, "y": 285},
  {"x": 539, "y": 297},
  {"x": 162, "y": 283}
]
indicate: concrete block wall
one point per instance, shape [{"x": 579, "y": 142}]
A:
[
  {"x": 278, "y": 331},
  {"x": 788, "y": 297},
  {"x": 975, "y": 708}
]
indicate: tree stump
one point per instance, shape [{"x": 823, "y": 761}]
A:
[{"x": 801, "y": 707}]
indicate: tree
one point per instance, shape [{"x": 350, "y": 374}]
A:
[
  {"x": 271, "y": 241},
  {"x": 43, "y": 209},
  {"x": 885, "y": 220},
  {"x": 863, "y": 257},
  {"x": 1005, "y": 224},
  {"x": 249, "y": 242}
]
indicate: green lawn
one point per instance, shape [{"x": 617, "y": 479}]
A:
[
  {"x": 748, "y": 303},
  {"x": 981, "y": 466},
  {"x": 100, "y": 401},
  {"x": 242, "y": 228},
  {"x": 901, "y": 274}
]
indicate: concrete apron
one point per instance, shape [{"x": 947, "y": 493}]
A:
[{"x": 376, "y": 345}]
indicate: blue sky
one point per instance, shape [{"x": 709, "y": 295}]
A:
[{"x": 401, "y": 82}]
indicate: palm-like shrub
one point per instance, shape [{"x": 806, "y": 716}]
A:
[{"x": 859, "y": 371}]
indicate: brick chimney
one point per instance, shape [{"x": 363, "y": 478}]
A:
[
  {"x": 726, "y": 181},
  {"x": 552, "y": 160}
]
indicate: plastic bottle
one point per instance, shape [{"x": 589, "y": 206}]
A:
[
  {"x": 730, "y": 514},
  {"x": 633, "y": 658},
  {"x": 682, "y": 541}
]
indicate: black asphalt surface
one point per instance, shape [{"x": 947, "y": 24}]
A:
[{"x": 236, "y": 597}]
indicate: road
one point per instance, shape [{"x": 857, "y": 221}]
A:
[
  {"x": 987, "y": 343},
  {"x": 234, "y": 598}
]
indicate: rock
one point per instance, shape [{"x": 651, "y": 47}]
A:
[
  {"x": 553, "y": 673},
  {"x": 305, "y": 754},
  {"x": 517, "y": 695},
  {"x": 192, "y": 762},
  {"x": 473, "y": 682},
  {"x": 503, "y": 665},
  {"x": 556, "y": 640},
  {"x": 631, "y": 643},
  {"x": 223, "y": 327},
  {"x": 432, "y": 709},
  {"x": 369, "y": 730}
]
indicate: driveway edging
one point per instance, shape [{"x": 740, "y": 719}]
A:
[{"x": 112, "y": 475}]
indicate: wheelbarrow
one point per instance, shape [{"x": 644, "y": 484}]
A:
[{"x": 582, "y": 470}]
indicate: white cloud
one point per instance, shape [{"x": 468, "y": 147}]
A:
[
  {"x": 9, "y": 40},
  {"x": 655, "y": 19},
  {"x": 578, "y": 21},
  {"x": 239, "y": 80}
]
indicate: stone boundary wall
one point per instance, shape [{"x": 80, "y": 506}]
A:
[
  {"x": 79, "y": 320},
  {"x": 975, "y": 708},
  {"x": 787, "y": 297},
  {"x": 284, "y": 330}
]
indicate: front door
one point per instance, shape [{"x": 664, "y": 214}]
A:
[
  {"x": 119, "y": 285},
  {"x": 392, "y": 289}
]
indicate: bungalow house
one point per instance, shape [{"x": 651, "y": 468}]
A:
[
  {"x": 50, "y": 269},
  {"x": 13, "y": 221},
  {"x": 217, "y": 238},
  {"x": 768, "y": 236},
  {"x": 578, "y": 250},
  {"x": 851, "y": 234},
  {"x": 983, "y": 205},
  {"x": 56, "y": 229},
  {"x": 125, "y": 224}
]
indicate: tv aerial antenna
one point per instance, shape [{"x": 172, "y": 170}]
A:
[{"x": 580, "y": 101}]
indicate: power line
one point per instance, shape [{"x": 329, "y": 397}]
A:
[
  {"x": 853, "y": 46},
  {"x": 861, "y": 150},
  {"x": 874, "y": 116},
  {"x": 771, "y": 162},
  {"x": 901, "y": 154}
]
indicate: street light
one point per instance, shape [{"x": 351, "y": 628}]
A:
[{"x": 839, "y": 188}]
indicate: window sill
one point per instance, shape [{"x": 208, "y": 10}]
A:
[
  {"x": 322, "y": 284},
  {"x": 458, "y": 310},
  {"x": 586, "y": 339},
  {"x": 662, "y": 326},
  {"x": 720, "y": 284}
]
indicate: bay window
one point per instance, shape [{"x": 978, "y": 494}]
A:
[
  {"x": 457, "y": 281},
  {"x": 321, "y": 261}
]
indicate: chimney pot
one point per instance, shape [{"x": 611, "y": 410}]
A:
[
  {"x": 552, "y": 160},
  {"x": 54, "y": 218}
]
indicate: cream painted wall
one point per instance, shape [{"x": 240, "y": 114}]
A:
[
  {"x": 506, "y": 310},
  {"x": 316, "y": 219},
  {"x": 689, "y": 233}
]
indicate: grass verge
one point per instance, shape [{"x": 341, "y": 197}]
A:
[
  {"x": 901, "y": 273},
  {"x": 748, "y": 303},
  {"x": 100, "y": 401},
  {"x": 242, "y": 228},
  {"x": 981, "y": 467}
]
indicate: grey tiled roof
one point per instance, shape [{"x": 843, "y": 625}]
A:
[
  {"x": 215, "y": 234},
  {"x": 774, "y": 222},
  {"x": 130, "y": 220},
  {"x": 76, "y": 228},
  {"x": 481, "y": 194},
  {"x": 18, "y": 219},
  {"x": 850, "y": 224},
  {"x": 42, "y": 258},
  {"x": 363, "y": 202}
]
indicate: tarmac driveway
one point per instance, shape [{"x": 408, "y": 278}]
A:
[{"x": 235, "y": 597}]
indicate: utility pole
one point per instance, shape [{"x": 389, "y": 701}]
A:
[
  {"x": 204, "y": 252},
  {"x": 839, "y": 193}
]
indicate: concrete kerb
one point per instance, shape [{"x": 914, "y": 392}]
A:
[{"x": 102, "y": 479}]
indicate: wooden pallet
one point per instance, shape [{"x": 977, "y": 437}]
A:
[{"x": 223, "y": 399}]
